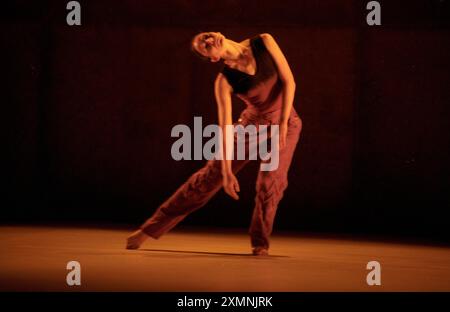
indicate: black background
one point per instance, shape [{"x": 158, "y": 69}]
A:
[{"x": 88, "y": 110}]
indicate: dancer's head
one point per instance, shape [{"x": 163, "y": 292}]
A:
[{"x": 209, "y": 45}]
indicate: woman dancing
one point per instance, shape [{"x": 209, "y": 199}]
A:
[{"x": 256, "y": 71}]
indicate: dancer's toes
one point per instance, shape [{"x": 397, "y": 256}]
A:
[
  {"x": 135, "y": 240},
  {"x": 260, "y": 251}
]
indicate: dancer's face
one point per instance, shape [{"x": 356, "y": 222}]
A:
[{"x": 210, "y": 45}]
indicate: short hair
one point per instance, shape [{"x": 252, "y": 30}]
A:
[{"x": 196, "y": 52}]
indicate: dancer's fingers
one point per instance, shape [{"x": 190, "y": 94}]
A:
[
  {"x": 230, "y": 191},
  {"x": 236, "y": 187}
]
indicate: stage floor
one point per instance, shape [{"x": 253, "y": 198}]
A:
[{"x": 34, "y": 258}]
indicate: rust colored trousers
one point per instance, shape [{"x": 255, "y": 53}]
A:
[{"x": 203, "y": 184}]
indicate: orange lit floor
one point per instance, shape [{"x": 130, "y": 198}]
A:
[{"x": 35, "y": 258}]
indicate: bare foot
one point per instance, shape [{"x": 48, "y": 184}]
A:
[{"x": 135, "y": 240}]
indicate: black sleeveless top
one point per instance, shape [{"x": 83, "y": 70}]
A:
[{"x": 261, "y": 91}]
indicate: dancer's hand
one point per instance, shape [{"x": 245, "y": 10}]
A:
[
  {"x": 231, "y": 185},
  {"x": 283, "y": 135}
]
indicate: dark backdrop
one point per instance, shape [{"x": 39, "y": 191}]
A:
[{"x": 87, "y": 111}]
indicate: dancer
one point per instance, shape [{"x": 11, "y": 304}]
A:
[{"x": 256, "y": 71}]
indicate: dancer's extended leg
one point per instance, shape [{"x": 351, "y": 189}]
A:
[{"x": 193, "y": 194}]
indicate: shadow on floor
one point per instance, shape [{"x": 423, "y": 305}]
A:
[{"x": 208, "y": 253}]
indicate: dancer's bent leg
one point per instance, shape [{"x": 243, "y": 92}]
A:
[{"x": 270, "y": 186}]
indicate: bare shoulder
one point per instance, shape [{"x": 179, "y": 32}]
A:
[
  {"x": 220, "y": 78},
  {"x": 268, "y": 38},
  {"x": 222, "y": 82},
  {"x": 265, "y": 36}
]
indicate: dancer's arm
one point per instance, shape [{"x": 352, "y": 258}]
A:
[
  {"x": 223, "y": 90},
  {"x": 287, "y": 78}
]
